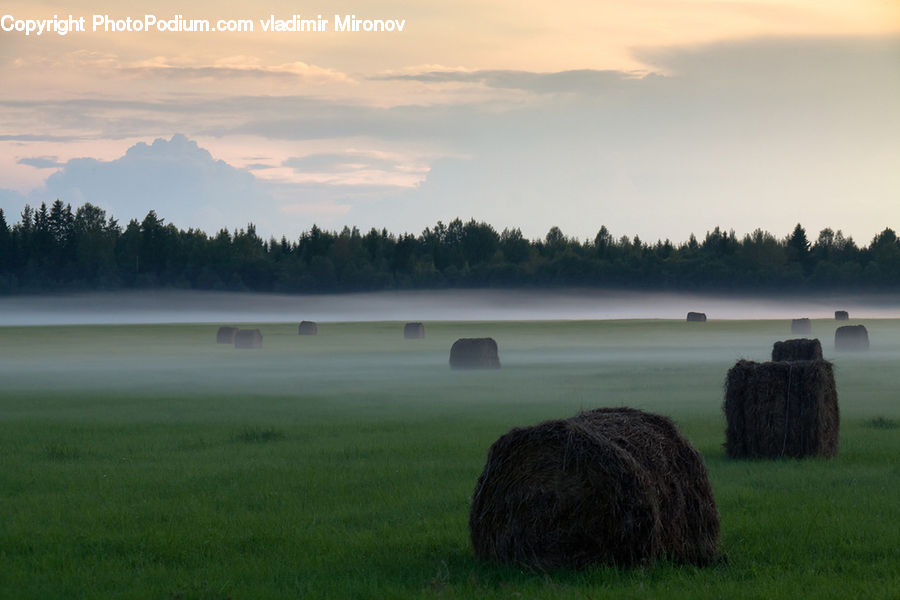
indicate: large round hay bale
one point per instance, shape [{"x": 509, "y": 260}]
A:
[
  {"x": 225, "y": 335},
  {"x": 687, "y": 508},
  {"x": 696, "y": 317},
  {"x": 800, "y": 349},
  {"x": 307, "y": 328},
  {"x": 851, "y": 337},
  {"x": 474, "y": 353},
  {"x": 414, "y": 331},
  {"x": 611, "y": 486},
  {"x": 801, "y": 326},
  {"x": 248, "y": 339},
  {"x": 779, "y": 409},
  {"x": 559, "y": 495},
  {"x": 841, "y": 315}
]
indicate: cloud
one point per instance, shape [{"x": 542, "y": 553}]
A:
[
  {"x": 584, "y": 81},
  {"x": 182, "y": 182},
  {"x": 339, "y": 162},
  {"x": 40, "y": 162},
  {"x": 238, "y": 66},
  {"x": 358, "y": 169},
  {"x": 758, "y": 133},
  {"x": 29, "y": 137}
]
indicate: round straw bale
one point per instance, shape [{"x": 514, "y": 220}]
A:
[
  {"x": 414, "y": 331},
  {"x": 307, "y": 328},
  {"x": 800, "y": 349},
  {"x": 775, "y": 409},
  {"x": 559, "y": 495},
  {"x": 801, "y": 326},
  {"x": 474, "y": 353},
  {"x": 248, "y": 339},
  {"x": 841, "y": 315},
  {"x": 225, "y": 335},
  {"x": 687, "y": 508},
  {"x": 611, "y": 486},
  {"x": 851, "y": 337},
  {"x": 696, "y": 317}
]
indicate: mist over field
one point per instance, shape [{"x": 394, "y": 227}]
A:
[
  {"x": 450, "y": 305},
  {"x": 128, "y": 450}
]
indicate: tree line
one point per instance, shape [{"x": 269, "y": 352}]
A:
[{"x": 58, "y": 249}]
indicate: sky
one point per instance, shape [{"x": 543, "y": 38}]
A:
[{"x": 657, "y": 118}]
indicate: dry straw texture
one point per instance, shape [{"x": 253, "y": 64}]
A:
[
  {"x": 225, "y": 335},
  {"x": 608, "y": 486},
  {"x": 474, "y": 353},
  {"x": 801, "y": 349},
  {"x": 414, "y": 331},
  {"x": 779, "y": 409}
]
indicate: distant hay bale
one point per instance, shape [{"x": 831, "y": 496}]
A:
[
  {"x": 841, "y": 315},
  {"x": 307, "y": 328},
  {"x": 775, "y": 409},
  {"x": 248, "y": 339},
  {"x": 801, "y": 326},
  {"x": 225, "y": 335},
  {"x": 474, "y": 353},
  {"x": 608, "y": 486},
  {"x": 851, "y": 337},
  {"x": 413, "y": 331},
  {"x": 696, "y": 317},
  {"x": 801, "y": 349}
]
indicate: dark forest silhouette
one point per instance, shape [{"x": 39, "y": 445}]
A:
[{"x": 56, "y": 249}]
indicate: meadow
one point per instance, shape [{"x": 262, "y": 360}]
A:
[{"x": 146, "y": 461}]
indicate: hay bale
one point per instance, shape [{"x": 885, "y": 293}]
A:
[
  {"x": 801, "y": 326},
  {"x": 609, "y": 486},
  {"x": 800, "y": 349},
  {"x": 307, "y": 328},
  {"x": 775, "y": 409},
  {"x": 474, "y": 353},
  {"x": 687, "y": 508},
  {"x": 851, "y": 337},
  {"x": 841, "y": 315},
  {"x": 225, "y": 335},
  {"x": 248, "y": 339},
  {"x": 414, "y": 331},
  {"x": 696, "y": 317}
]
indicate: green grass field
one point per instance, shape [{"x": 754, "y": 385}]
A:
[{"x": 149, "y": 462}]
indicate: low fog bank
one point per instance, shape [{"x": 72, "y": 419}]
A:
[{"x": 447, "y": 305}]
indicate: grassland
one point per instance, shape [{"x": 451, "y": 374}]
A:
[{"x": 149, "y": 462}]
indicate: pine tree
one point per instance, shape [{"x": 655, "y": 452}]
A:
[{"x": 5, "y": 243}]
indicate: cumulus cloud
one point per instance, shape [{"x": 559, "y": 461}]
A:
[{"x": 182, "y": 182}]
